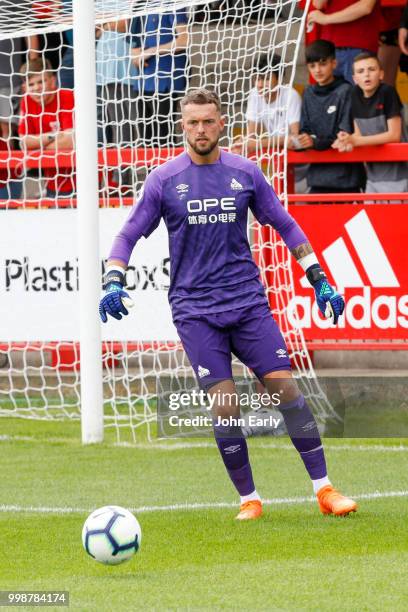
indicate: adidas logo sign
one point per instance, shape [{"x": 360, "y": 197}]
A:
[
  {"x": 362, "y": 312},
  {"x": 235, "y": 185},
  {"x": 370, "y": 251},
  {"x": 202, "y": 372}
]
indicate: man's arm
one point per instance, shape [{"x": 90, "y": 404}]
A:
[
  {"x": 346, "y": 142},
  {"x": 141, "y": 55},
  {"x": 355, "y": 11},
  {"x": 63, "y": 140},
  {"x": 319, "y": 4},
  {"x": 330, "y": 303},
  {"x": 143, "y": 219},
  {"x": 40, "y": 141},
  {"x": 268, "y": 210},
  {"x": 33, "y": 46}
]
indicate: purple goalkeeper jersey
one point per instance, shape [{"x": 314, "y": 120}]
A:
[{"x": 205, "y": 208}]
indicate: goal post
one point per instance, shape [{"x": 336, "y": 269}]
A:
[
  {"x": 86, "y": 145},
  {"x": 53, "y": 273}
]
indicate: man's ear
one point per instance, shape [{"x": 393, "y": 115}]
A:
[
  {"x": 334, "y": 64},
  {"x": 381, "y": 75}
]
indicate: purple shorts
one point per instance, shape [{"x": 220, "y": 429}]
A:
[{"x": 250, "y": 333}]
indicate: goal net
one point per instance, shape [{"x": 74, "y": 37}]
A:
[{"x": 147, "y": 54}]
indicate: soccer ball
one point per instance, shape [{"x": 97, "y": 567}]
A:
[{"x": 111, "y": 535}]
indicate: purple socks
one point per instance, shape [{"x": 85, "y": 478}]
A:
[
  {"x": 303, "y": 431},
  {"x": 234, "y": 452}
]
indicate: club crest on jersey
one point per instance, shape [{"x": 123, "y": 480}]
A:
[{"x": 235, "y": 185}]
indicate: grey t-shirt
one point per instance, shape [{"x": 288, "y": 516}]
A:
[{"x": 371, "y": 115}]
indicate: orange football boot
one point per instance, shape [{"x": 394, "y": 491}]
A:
[
  {"x": 250, "y": 510},
  {"x": 333, "y": 502}
]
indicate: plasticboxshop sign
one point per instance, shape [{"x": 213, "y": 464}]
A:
[
  {"x": 363, "y": 251},
  {"x": 361, "y": 248},
  {"x": 39, "y": 278}
]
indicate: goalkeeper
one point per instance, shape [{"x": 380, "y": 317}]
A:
[{"x": 217, "y": 300}]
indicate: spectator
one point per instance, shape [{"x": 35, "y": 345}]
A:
[
  {"x": 326, "y": 110},
  {"x": 353, "y": 26},
  {"x": 403, "y": 31},
  {"x": 47, "y": 121},
  {"x": 268, "y": 121},
  {"x": 159, "y": 44},
  {"x": 66, "y": 73},
  {"x": 114, "y": 69},
  {"x": 12, "y": 54},
  {"x": 377, "y": 117}
]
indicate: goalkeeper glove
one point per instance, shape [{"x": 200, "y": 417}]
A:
[
  {"x": 116, "y": 301},
  {"x": 330, "y": 303}
]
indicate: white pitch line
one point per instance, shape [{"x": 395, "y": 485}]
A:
[
  {"x": 163, "y": 446},
  {"x": 272, "y": 445},
  {"x": 193, "y": 506}
]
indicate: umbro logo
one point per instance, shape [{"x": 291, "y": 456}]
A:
[
  {"x": 235, "y": 185},
  {"x": 202, "y": 372},
  {"x": 281, "y": 353},
  {"x": 370, "y": 251},
  {"x": 331, "y": 109},
  {"x": 182, "y": 188},
  {"x": 234, "y": 448}
]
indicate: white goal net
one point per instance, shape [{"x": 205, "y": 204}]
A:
[{"x": 147, "y": 55}]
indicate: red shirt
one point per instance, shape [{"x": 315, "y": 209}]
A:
[
  {"x": 359, "y": 34},
  {"x": 56, "y": 116}
]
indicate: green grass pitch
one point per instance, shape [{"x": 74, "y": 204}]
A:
[{"x": 200, "y": 558}]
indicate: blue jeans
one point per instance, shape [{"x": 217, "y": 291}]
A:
[
  {"x": 345, "y": 57},
  {"x": 11, "y": 191},
  {"x": 66, "y": 71}
]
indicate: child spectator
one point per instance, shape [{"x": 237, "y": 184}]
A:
[
  {"x": 377, "y": 113},
  {"x": 47, "y": 121},
  {"x": 268, "y": 121},
  {"x": 326, "y": 110}
]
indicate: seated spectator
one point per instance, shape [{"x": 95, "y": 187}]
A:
[
  {"x": 159, "y": 43},
  {"x": 352, "y": 26},
  {"x": 47, "y": 121},
  {"x": 11, "y": 58},
  {"x": 377, "y": 113},
  {"x": 268, "y": 121},
  {"x": 326, "y": 110}
]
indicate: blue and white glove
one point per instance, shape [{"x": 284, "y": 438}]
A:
[
  {"x": 116, "y": 301},
  {"x": 330, "y": 303}
]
